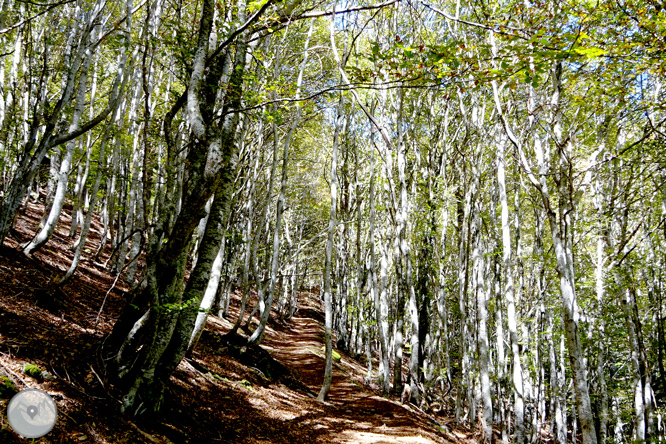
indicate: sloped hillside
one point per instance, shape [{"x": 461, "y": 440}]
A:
[{"x": 225, "y": 393}]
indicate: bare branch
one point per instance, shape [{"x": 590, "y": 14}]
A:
[
  {"x": 24, "y": 21},
  {"x": 239, "y": 31},
  {"x": 345, "y": 11}
]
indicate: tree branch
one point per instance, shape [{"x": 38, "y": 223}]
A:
[
  {"x": 24, "y": 21},
  {"x": 239, "y": 31}
]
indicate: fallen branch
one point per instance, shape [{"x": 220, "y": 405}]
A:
[{"x": 150, "y": 437}]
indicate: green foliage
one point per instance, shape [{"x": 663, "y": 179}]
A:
[
  {"x": 322, "y": 353},
  {"x": 7, "y": 387},
  {"x": 177, "y": 307},
  {"x": 247, "y": 384},
  {"x": 216, "y": 376},
  {"x": 33, "y": 371}
]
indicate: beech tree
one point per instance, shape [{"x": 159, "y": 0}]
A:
[{"x": 165, "y": 328}]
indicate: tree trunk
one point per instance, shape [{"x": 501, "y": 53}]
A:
[
  {"x": 211, "y": 289},
  {"x": 482, "y": 310},
  {"x": 59, "y": 199},
  {"x": 507, "y": 248},
  {"x": 328, "y": 366},
  {"x": 86, "y": 223},
  {"x": 258, "y": 334},
  {"x": 376, "y": 294},
  {"x": 565, "y": 268},
  {"x": 82, "y": 176},
  {"x": 209, "y": 169},
  {"x": 561, "y": 237}
]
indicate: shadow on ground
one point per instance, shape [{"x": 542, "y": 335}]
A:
[{"x": 222, "y": 394}]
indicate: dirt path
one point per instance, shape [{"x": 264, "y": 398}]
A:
[
  {"x": 355, "y": 414},
  {"x": 212, "y": 397}
]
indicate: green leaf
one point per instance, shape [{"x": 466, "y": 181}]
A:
[
  {"x": 254, "y": 6},
  {"x": 590, "y": 53}
]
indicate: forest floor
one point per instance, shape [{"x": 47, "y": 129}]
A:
[{"x": 224, "y": 393}]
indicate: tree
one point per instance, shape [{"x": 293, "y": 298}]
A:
[
  {"x": 48, "y": 121},
  {"x": 160, "y": 307}
]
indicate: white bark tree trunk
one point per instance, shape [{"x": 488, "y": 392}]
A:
[
  {"x": 383, "y": 323},
  {"x": 49, "y": 136},
  {"x": 512, "y": 320},
  {"x": 59, "y": 199},
  {"x": 561, "y": 237},
  {"x": 208, "y": 297},
  {"x": 640, "y": 424},
  {"x": 328, "y": 366},
  {"x": 134, "y": 218},
  {"x": 83, "y": 171},
  {"x": 375, "y": 293},
  {"x": 565, "y": 267},
  {"x": 258, "y": 334},
  {"x": 557, "y": 388},
  {"x": 482, "y": 338},
  {"x": 86, "y": 223}
]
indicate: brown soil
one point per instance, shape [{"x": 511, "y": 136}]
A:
[{"x": 216, "y": 396}]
